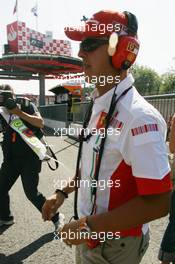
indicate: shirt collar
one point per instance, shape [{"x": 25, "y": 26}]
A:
[
  {"x": 124, "y": 84},
  {"x": 104, "y": 101}
]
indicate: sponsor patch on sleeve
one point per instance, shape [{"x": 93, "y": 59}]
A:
[
  {"x": 144, "y": 129},
  {"x": 145, "y": 134}
]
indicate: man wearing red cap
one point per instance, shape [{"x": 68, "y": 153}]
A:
[{"x": 122, "y": 168}]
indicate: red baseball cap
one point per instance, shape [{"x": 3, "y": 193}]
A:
[{"x": 101, "y": 24}]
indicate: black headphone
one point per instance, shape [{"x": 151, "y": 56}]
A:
[{"x": 132, "y": 23}]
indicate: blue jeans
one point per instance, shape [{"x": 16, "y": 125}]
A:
[{"x": 167, "y": 249}]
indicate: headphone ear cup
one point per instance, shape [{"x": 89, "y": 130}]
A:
[{"x": 126, "y": 52}]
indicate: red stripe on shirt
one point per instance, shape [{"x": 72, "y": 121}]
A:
[
  {"x": 130, "y": 187},
  {"x": 151, "y": 186},
  {"x": 121, "y": 195}
]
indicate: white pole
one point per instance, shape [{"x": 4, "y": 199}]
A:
[
  {"x": 36, "y": 15},
  {"x": 17, "y": 10}
]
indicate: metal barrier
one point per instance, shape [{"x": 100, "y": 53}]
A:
[
  {"x": 164, "y": 103},
  {"x": 79, "y": 110},
  {"x": 55, "y": 112}
]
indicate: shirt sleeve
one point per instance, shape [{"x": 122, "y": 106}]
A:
[{"x": 146, "y": 153}]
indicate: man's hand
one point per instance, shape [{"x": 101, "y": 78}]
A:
[
  {"x": 35, "y": 119},
  {"x": 15, "y": 111},
  {"x": 71, "y": 235},
  {"x": 51, "y": 205}
]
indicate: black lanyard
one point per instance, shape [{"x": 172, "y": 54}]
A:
[{"x": 112, "y": 107}]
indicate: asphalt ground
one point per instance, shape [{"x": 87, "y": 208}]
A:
[{"x": 30, "y": 240}]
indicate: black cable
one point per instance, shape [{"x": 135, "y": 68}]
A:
[
  {"x": 70, "y": 145},
  {"x": 86, "y": 122},
  {"x": 77, "y": 173}
]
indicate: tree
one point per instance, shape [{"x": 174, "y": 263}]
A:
[
  {"x": 147, "y": 81},
  {"x": 88, "y": 90},
  {"x": 168, "y": 82}
]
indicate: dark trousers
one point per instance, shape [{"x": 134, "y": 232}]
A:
[
  {"x": 28, "y": 168},
  {"x": 168, "y": 241},
  {"x": 167, "y": 248}
]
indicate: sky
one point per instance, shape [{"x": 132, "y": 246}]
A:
[{"x": 156, "y": 28}]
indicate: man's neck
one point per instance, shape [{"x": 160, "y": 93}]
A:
[{"x": 102, "y": 89}]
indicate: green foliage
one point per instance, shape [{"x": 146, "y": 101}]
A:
[
  {"x": 147, "y": 81},
  {"x": 168, "y": 82},
  {"x": 88, "y": 90}
]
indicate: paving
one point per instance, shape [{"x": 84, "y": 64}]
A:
[{"x": 30, "y": 240}]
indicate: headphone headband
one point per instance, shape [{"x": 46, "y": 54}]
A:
[{"x": 132, "y": 23}]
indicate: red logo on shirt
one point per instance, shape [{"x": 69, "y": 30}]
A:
[{"x": 101, "y": 121}]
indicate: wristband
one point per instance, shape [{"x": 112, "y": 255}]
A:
[{"x": 61, "y": 191}]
